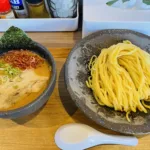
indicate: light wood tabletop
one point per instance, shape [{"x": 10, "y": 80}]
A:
[{"x": 36, "y": 131}]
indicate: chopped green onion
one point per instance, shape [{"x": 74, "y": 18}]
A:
[{"x": 9, "y": 71}]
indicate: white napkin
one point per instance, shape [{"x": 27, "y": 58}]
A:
[{"x": 97, "y": 15}]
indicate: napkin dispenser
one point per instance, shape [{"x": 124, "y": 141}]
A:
[{"x": 97, "y": 15}]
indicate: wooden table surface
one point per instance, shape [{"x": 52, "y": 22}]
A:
[{"x": 36, "y": 131}]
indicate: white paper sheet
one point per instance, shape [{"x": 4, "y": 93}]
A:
[{"x": 97, "y": 16}]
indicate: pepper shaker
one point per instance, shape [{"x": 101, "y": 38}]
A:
[
  {"x": 19, "y": 7},
  {"x": 63, "y": 8}
]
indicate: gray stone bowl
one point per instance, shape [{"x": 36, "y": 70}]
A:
[
  {"x": 76, "y": 73},
  {"x": 43, "y": 98}
]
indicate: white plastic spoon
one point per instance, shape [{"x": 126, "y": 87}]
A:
[{"x": 79, "y": 137}]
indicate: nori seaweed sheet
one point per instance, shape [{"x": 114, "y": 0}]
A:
[{"x": 15, "y": 38}]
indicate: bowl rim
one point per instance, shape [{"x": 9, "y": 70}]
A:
[
  {"x": 15, "y": 112},
  {"x": 91, "y": 115}
]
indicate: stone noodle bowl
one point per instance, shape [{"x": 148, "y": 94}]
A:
[
  {"x": 76, "y": 73},
  {"x": 43, "y": 52}
]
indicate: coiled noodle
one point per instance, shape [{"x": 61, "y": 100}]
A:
[{"x": 120, "y": 78}]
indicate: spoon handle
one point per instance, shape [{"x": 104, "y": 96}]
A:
[{"x": 113, "y": 139}]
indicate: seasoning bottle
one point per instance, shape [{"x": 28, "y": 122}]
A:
[
  {"x": 19, "y": 8},
  {"x": 5, "y": 10},
  {"x": 37, "y": 9}
]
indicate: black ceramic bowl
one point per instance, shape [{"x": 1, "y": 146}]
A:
[
  {"x": 43, "y": 98},
  {"x": 76, "y": 74}
]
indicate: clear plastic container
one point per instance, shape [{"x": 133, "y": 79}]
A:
[{"x": 37, "y": 9}]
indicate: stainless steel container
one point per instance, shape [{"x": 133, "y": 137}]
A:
[{"x": 63, "y": 8}]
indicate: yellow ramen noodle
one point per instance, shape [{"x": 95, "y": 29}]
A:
[{"x": 120, "y": 78}]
